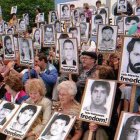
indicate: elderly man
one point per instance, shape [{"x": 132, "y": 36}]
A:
[{"x": 88, "y": 60}]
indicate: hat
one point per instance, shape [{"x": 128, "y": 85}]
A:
[{"x": 91, "y": 54}]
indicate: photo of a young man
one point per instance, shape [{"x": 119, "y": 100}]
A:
[
  {"x": 128, "y": 127},
  {"x": 49, "y": 35},
  {"x": 68, "y": 54},
  {"x": 26, "y": 51},
  {"x": 5, "y": 110},
  {"x": 22, "y": 121},
  {"x": 122, "y": 6},
  {"x": 130, "y": 60},
  {"x": 65, "y": 12},
  {"x": 9, "y": 31},
  {"x": 57, "y": 128},
  {"x": 84, "y": 30},
  {"x": 107, "y": 38},
  {"x": 40, "y": 17},
  {"x": 52, "y": 17},
  {"x": 21, "y": 25},
  {"x": 119, "y": 20},
  {"x": 97, "y": 100},
  {"x": 14, "y": 10},
  {"x": 26, "y": 18}
]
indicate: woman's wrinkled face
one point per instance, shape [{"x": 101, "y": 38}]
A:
[{"x": 64, "y": 96}]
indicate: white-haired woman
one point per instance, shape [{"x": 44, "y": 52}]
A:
[{"x": 68, "y": 105}]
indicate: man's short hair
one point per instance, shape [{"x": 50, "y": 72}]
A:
[
  {"x": 64, "y": 7},
  {"x": 5, "y": 39},
  {"x": 9, "y": 106},
  {"x": 103, "y": 11},
  {"x": 118, "y": 19},
  {"x": 104, "y": 84},
  {"x": 107, "y": 27},
  {"x": 98, "y": 2},
  {"x": 82, "y": 14},
  {"x": 98, "y": 16},
  {"x": 138, "y": 8},
  {"x": 57, "y": 21},
  {"x": 72, "y": 29},
  {"x": 75, "y": 11},
  {"x": 68, "y": 41},
  {"x": 28, "y": 107},
  {"x": 128, "y": 19},
  {"x": 63, "y": 117},
  {"x": 49, "y": 28},
  {"x": 131, "y": 44},
  {"x": 21, "y": 20},
  {"x": 42, "y": 56}
]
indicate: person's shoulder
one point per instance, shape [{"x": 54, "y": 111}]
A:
[
  {"x": 46, "y": 100},
  {"x": 51, "y": 67}
]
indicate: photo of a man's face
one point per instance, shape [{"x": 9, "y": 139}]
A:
[
  {"x": 57, "y": 127},
  {"x": 65, "y": 12},
  {"x": 134, "y": 58}
]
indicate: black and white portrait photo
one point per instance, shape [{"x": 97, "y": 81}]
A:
[
  {"x": 97, "y": 101},
  {"x": 1, "y": 28},
  {"x": 119, "y": 20},
  {"x": 58, "y": 127},
  {"x": 105, "y": 11},
  {"x": 15, "y": 37},
  {"x": 40, "y": 17},
  {"x": 75, "y": 31},
  {"x": 107, "y": 38},
  {"x": 37, "y": 38},
  {"x": 96, "y": 20},
  {"x": 57, "y": 26},
  {"x": 8, "y": 47},
  {"x": 65, "y": 12},
  {"x": 84, "y": 30},
  {"x": 26, "y": 18},
  {"x": 75, "y": 16},
  {"x": 82, "y": 17},
  {"x": 48, "y": 35},
  {"x": 68, "y": 55},
  {"x": 26, "y": 51},
  {"x": 128, "y": 127},
  {"x": 59, "y": 36},
  {"x": 21, "y": 25},
  {"x": 130, "y": 65},
  {"x": 7, "y": 110},
  {"x": 9, "y": 31},
  {"x": 22, "y": 121},
  {"x": 121, "y": 6},
  {"x": 14, "y": 10},
  {"x": 137, "y": 11},
  {"x": 129, "y": 21},
  {"x": 52, "y": 17}
]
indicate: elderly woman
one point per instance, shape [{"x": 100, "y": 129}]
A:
[
  {"x": 36, "y": 90},
  {"x": 68, "y": 105},
  {"x": 14, "y": 87}
]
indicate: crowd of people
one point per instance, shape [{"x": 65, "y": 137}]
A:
[{"x": 42, "y": 82}]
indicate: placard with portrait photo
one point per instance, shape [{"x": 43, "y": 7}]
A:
[
  {"x": 40, "y": 17},
  {"x": 22, "y": 121},
  {"x": 128, "y": 126},
  {"x": 121, "y": 6},
  {"x": 75, "y": 31},
  {"x": 119, "y": 20},
  {"x": 130, "y": 64},
  {"x": 58, "y": 127},
  {"x": 9, "y": 31},
  {"x": 84, "y": 30},
  {"x": 15, "y": 37},
  {"x": 95, "y": 21},
  {"x": 48, "y": 35},
  {"x": 130, "y": 21},
  {"x": 8, "y": 47},
  {"x": 57, "y": 26},
  {"x": 52, "y": 17},
  {"x": 107, "y": 38},
  {"x": 75, "y": 16},
  {"x": 65, "y": 12},
  {"x": 21, "y": 25},
  {"x": 104, "y": 10},
  {"x": 97, "y": 102},
  {"x": 13, "y": 9},
  {"x": 37, "y": 38},
  {"x": 26, "y": 51},
  {"x": 7, "y": 110},
  {"x": 137, "y": 11},
  {"x": 59, "y": 36},
  {"x": 1, "y": 28},
  {"x": 26, "y": 18},
  {"x": 68, "y": 55}
]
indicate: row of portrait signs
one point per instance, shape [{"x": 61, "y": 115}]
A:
[{"x": 16, "y": 120}]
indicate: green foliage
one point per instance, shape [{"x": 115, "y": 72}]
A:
[{"x": 26, "y": 6}]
